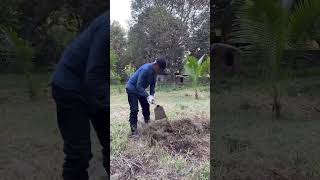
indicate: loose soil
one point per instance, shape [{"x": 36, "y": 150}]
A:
[{"x": 185, "y": 136}]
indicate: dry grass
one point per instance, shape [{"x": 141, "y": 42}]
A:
[{"x": 174, "y": 149}]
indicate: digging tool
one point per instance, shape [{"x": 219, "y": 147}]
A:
[{"x": 159, "y": 112}]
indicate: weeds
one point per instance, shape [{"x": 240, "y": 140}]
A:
[
  {"x": 180, "y": 163},
  {"x": 118, "y": 137}
]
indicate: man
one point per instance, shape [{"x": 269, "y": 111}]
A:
[
  {"x": 146, "y": 75},
  {"x": 80, "y": 88}
]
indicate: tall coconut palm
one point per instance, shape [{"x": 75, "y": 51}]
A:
[
  {"x": 196, "y": 69},
  {"x": 271, "y": 27}
]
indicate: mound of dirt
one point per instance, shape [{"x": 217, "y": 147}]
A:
[{"x": 184, "y": 136}]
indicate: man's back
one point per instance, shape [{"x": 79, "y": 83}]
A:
[
  {"x": 70, "y": 72},
  {"x": 143, "y": 77}
]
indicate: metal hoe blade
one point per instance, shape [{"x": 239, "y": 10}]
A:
[{"x": 159, "y": 112}]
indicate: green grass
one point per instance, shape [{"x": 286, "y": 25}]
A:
[
  {"x": 205, "y": 172},
  {"x": 180, "y": 163},
  {"x": 119, "y": 141}
]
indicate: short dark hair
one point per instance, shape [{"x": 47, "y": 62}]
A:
[{"x": 161, "y": 61}]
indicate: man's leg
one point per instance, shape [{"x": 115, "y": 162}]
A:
[
  {"x": 100, "y": 124},
  {"x": 74, "y": 125},
  {"x": 134, "y": 109},
  {"x": 145, "y": 108}
]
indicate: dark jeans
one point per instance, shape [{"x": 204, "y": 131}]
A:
[
  {"x": 74, "y": 123},
  {"x": 134, "y": 108}
]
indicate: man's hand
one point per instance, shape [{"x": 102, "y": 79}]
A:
[{"x": 150, "y": 99}]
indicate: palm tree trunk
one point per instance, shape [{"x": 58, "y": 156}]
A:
[
  {"x": 276, "y": 106},
  {"x": 30, "y": 85},
  {"x": 196, "y": 94},
  {"x": 195, "y": 85}
]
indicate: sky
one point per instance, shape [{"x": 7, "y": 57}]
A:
[{"x": 120, "y": 11}]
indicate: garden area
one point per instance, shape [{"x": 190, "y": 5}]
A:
[{"x": 266, "y": 90}]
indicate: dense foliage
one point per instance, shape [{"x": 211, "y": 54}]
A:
[
  {"x": 162, "y": 28},
  {"x": 47, "y": 26}
]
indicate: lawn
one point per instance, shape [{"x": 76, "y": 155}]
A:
[
  {"x": 168, "y": 157},
  {"x": 248, "y": 144},
  {"x": 31, "y": 147}
]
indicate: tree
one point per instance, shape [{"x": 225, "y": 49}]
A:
[
  {"x": 223, "y": 14},
  {"x": 191, "y": 12},
  {"x": 196, "y": 69},
  {"x": 157, "y": 33},
  {"x": 117, "y": 40},
  {"x": 113, "y": 64},
  {"x": 34, "y": 19},
  {"x": 199, "y": 43},
  {"x": 168, "y": 29},
  {"x": 84, "y": 11},
  {"x": 129, "y": 70},
  {"x": 271, "y": 27},
  {"x": 33, "y": 15},
  {"x": 118, "y": 43},
  {"x": 8, "y": 14},
  {"x": 48, "y": 25},
  {"x": 8, "y": 19},
  {"x": 24, "y": 53}
]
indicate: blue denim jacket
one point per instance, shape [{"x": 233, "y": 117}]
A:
[
  {"x": 141, "y": 79},
  {"x": 83, "y": 66}
]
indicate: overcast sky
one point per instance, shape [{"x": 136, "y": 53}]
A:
[{"x": 121, "y": 12}]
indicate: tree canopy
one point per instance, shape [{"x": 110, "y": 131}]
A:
[
  {"x": 167, "y": 29},
  {"x": 48, "y": 25}
]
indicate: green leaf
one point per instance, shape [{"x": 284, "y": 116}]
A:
[{"x": 302, "y": 22}]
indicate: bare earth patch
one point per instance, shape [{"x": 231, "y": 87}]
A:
[{"x": 185, "y": 136}]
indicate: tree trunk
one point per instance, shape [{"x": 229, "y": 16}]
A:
[
  {"x": 31, "y": 89},
  {"x": 276, "y": 106},
  {"x": 196, "y": 94}
]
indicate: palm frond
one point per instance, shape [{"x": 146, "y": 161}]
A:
[
  {"x": 260, "y": 35},
  {"x": 302, "y": 21},
  {"x": 263, "y": 25},
  {"x": 205, "y": 67},
  {"x": 191, "y": 65}
]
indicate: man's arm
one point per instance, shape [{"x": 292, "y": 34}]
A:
[
  {"x": 153, "y": 85},
  {"x": 141, "y": 79},
  {"x": 96, "y": 80}
]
